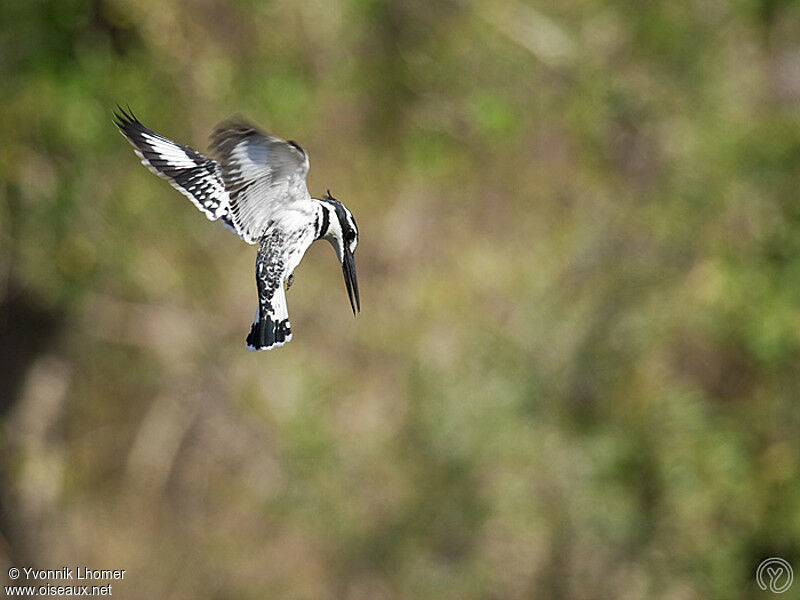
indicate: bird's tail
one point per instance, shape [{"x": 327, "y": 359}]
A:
[{"x": 271, "y": 326}]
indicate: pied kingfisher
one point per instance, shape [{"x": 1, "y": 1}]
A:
[{"x": 257, "y": 189}]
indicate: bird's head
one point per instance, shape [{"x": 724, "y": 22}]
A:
[{"x": 342, "y": 233}]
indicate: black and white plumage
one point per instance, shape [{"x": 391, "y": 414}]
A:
[
  {"x": 257, "y": 188},
  {"x": 197, "y": 177}
]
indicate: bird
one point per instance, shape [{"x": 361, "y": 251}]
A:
[{"x": 255, "y": 185}]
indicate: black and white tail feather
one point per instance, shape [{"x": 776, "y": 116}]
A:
[
  {"x": 271, "y": 327},
  {"x": 256, "y": 189}
]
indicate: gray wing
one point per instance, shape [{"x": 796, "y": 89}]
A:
[
  {"x": 262, "y": 174},
  {"x": 197, "y": 177}
]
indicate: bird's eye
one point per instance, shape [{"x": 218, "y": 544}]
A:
[{"x": 350, "y": 235}]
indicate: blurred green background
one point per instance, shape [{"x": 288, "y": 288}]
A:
[{"x": 577, "y": 370}]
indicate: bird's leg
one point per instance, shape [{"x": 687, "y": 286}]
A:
[{"x": 289, "y": 281}]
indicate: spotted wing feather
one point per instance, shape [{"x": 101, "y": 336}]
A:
[{"x": 197, "y": 177}]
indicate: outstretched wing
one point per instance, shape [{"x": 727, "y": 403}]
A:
[
  {"x": 262, "y": 174},
  {"x": 197, "y": 177}
]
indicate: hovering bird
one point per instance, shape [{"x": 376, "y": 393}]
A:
[{"x": 257, "y": 188}]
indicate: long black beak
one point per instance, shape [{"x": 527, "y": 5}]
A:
[{"x": 349, "y": 272}]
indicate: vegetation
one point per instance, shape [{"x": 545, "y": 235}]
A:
[{"x": 577, "y": 368}]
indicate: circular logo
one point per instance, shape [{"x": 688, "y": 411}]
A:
[{"x": 774, "y": 574}]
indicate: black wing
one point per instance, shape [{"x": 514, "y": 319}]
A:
[{"x": 197, "y": 177}]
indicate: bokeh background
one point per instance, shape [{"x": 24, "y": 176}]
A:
[{"x": 577, "y": 370}]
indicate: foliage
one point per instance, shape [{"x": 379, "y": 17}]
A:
[{"x": 576, "y": 370}]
